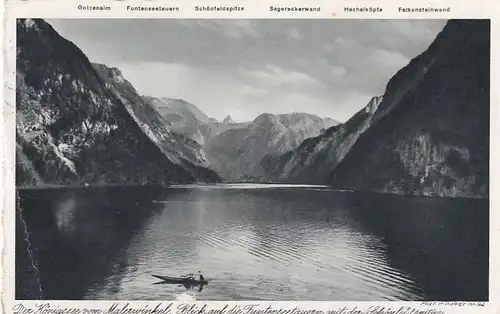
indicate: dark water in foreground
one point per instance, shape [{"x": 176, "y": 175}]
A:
[{"x": 253, "y": 242}]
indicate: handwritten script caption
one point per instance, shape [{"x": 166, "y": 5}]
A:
[{"x": 254, "y": 308}]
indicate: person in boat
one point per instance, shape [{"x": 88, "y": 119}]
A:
[{"x": 201, "y": 276}]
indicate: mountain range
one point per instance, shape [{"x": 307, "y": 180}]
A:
[
  {"x": 185, "y": 118},
  {"x": 430, "y": 133},
  {"x": 235, "y": 150},
  {"x": 236, "y": 154},
  {"x": 317, "y": 156},
  {"x": 79, "y": 122},
  {"x": 427, "y": 134}
]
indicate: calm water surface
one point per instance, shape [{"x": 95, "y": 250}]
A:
[{"x": 254, "y": 242}]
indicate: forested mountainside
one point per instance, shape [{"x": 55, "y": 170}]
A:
[
  {"x": 430, "y": 134},
  {"x": 427, "y": 135},
  {"x": 75, "y": 125}
]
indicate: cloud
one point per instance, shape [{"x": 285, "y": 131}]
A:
[
  {"x": 294, "y": 33},
  {"x": 367, "y": 59},
  {"x": 332, "y": 67},
  {"x": 415, "y": 29},
  {"x": 337, "y": 71},
  {"x": 221, "y": 93},
  {"x": 252, "y": 90},
  {"x": 392, "y": 59},
  {"x": 275, "y": 76}
]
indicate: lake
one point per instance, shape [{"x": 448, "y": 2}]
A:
[{"x": 252, "y": 242}]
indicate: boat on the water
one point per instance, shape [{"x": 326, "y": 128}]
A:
[{"x": 188, "y": 281}]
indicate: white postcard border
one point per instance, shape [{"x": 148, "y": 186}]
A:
[{"x": 253, "y": 9}]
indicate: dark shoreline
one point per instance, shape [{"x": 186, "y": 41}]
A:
[{"x": 327, "y": 188}]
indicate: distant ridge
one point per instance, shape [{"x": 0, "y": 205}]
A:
[
  {"x": 228, "y": 119},
  {"x": 236, "y": 154}
]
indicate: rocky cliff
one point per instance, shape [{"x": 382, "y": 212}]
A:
[
  {"x": 430, "y": 133},
  {"x": 237, "y": 153},
  {"x": 76, "y": 124},
  {"x": 427, "y": 135},
  {"x": 316, "y": 156},
  {"x": 184, "y": 117}
]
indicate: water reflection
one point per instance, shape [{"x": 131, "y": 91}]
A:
[
  {"x": 443, "y": 243},
  {"x": 80, "y": 235},
  {"x": 265, "y": 244}
]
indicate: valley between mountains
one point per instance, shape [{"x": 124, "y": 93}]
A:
[{"x": 80, "y": 122}]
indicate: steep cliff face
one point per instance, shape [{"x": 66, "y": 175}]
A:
[
  {"x": 237, "y": 153},
  {"x": 179, "y": 148},
  {"x": 74, "y": 127},
  {"x": 430, "y": 134},
  {"x": 186, "y": 119},
  {"x": 316, "y": 156}
]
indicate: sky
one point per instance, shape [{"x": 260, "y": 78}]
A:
[{"x": 243, "y": 68}]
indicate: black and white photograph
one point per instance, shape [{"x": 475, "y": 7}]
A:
[{"x": 252, "y": 159}]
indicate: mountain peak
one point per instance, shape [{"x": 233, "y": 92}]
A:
[
  {"x": 178, "y": 100},
  {"x": 111, "y": 72},
  {"x": 228, "y": 119},
  {"x": 127, "y": 139}
]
